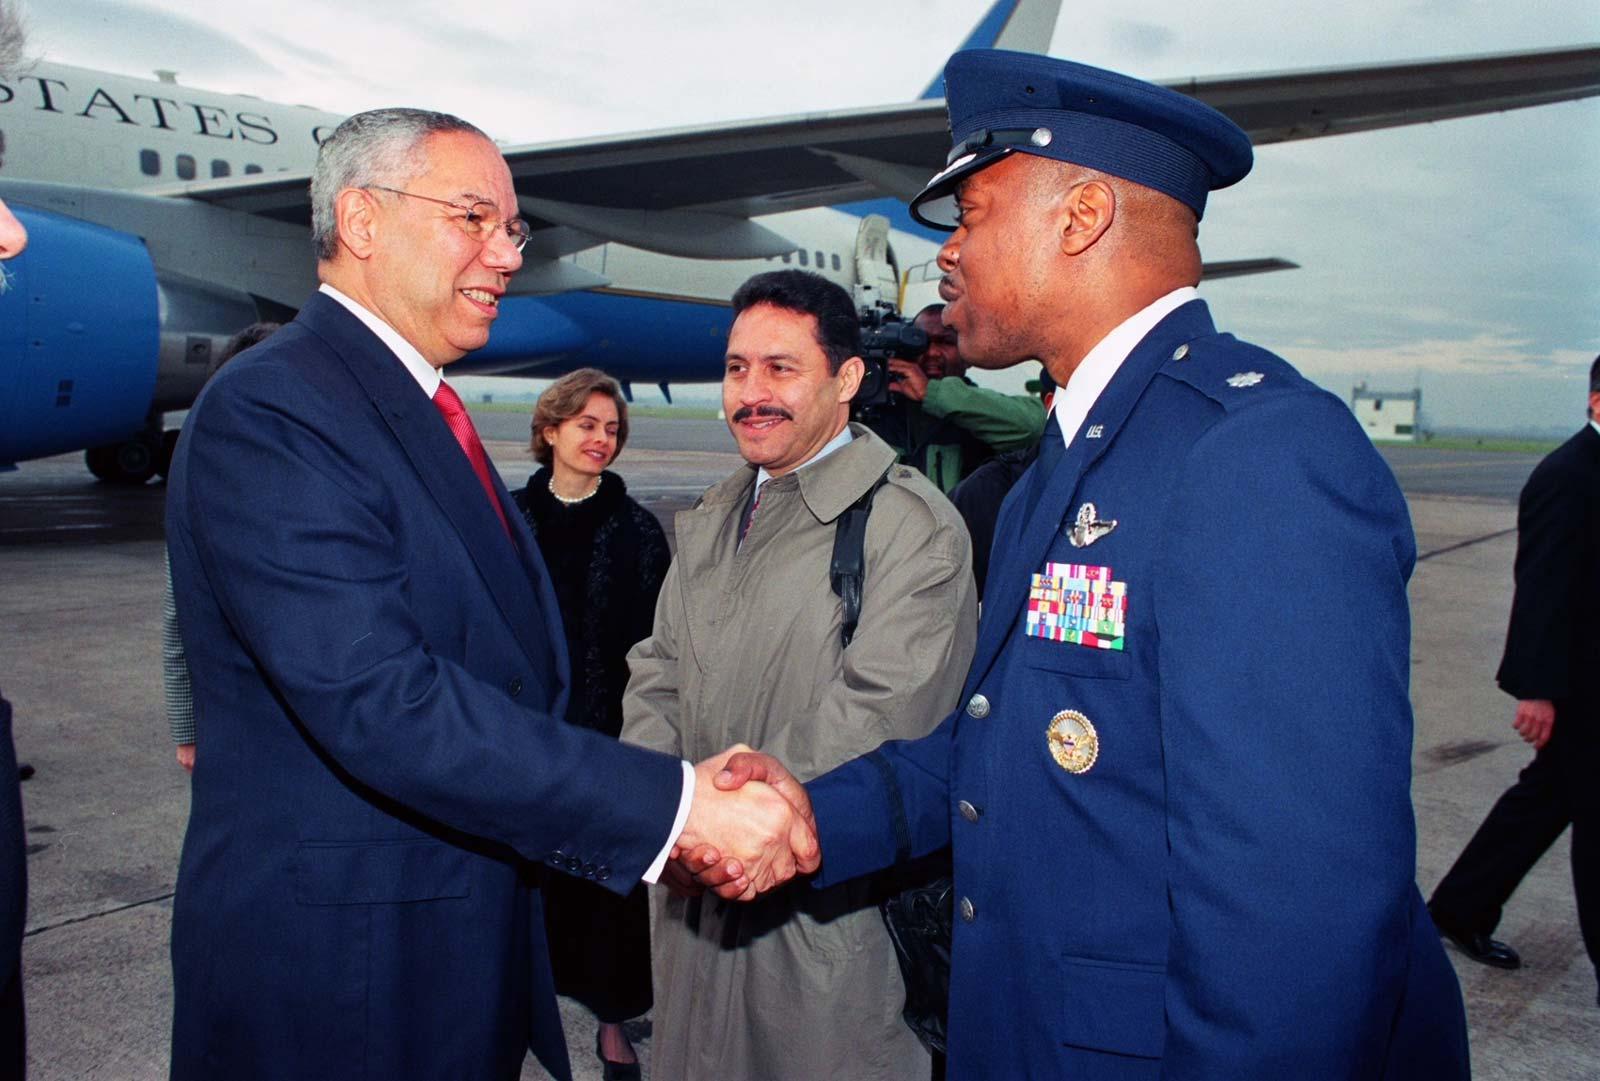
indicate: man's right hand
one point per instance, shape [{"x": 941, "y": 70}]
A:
[
  {"x": 752, "y": 833},
  {"x": 1535, "y": 720}
]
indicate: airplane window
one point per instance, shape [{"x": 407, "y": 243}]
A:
[
  {"x": 820, "y": 262},
  {"x": 149, "y": 163},
  {"x": 252, "y": 168},
  {"x": 185, "y": 166},
  {"x": 220, "y": 167},
  {"x": 786, "y": 257},
  {"x": 805, "y": 257},
  {"x": 836, "y": 260}
]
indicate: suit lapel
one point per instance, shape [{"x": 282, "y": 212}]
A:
[
  {"x": 512, "y": 569},
  {"x": 1034, "y": 527}
]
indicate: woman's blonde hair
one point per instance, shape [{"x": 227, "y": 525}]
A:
[{"x": 565, "y": 399}]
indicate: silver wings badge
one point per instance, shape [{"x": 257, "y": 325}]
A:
[{"x": 1088, "y": 528}]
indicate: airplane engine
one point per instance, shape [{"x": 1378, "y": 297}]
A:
[{"x": 95, "y": 344}]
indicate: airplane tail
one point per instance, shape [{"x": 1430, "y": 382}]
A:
[{"x": 1024, "y": 25}]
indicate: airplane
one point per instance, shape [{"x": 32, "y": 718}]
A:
[{"x": 189, "y": 213}]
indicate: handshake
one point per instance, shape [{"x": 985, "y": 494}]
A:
[{"x": 750, "y": 829}]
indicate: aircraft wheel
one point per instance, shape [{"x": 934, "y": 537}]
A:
[{"x": 132, "y": 462}]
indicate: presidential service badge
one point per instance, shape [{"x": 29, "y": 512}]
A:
[{"x": 1073, "y": 742}]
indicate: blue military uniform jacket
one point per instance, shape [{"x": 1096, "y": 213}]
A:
[
  {"x": 379, "y": 681},
  {"x": 1183, "y": 842}
]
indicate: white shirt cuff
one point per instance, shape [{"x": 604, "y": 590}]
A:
[{"x": 653, "y": 872}]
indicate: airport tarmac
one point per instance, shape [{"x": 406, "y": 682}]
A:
[{"x": 80, "y": 582}]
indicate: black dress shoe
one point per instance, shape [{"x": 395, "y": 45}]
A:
[
  {"x": 614, "y": 1071},
  {"x": 1483, "y": 949}
]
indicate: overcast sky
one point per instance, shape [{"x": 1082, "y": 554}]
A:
[{"x": 1460, "y": 256}]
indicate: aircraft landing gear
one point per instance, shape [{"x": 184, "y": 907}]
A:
[{"x": 133, "y": 461}]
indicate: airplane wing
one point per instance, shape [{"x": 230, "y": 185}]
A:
[{"x": 693, "y": 191}]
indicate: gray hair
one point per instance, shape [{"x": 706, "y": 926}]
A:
[
  {"x": 381, "y": 147},
  {"x": 12, "y": 36}
]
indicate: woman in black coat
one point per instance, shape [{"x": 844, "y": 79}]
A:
[{"x": 607, "y": 556}]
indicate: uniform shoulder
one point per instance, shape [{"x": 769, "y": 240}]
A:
[{"x": 1234, "y": 374}]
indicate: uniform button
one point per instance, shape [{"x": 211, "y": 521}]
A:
[
  {"x": 968, "y": 811},
  {"x": 515, "y": 686},
  {"x": 602, "y": 873},
  {"x": 574, "y": 864},
  {"x": 588, "y": 870},
  {"x": 978, "y": 707},
  {"x": 1181, "y": 352},
  {"x": 969, "y": 911}
]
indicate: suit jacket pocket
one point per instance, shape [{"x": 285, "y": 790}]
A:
[
  {"x": 1071, "y": 659},
  {"x": 1114, "y": 1006},
  {"x": 379, "y": 872}
]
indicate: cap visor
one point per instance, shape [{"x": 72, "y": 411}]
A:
[{"x": 935, "y": 205}]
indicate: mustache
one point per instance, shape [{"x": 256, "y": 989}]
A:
[{"x": 746, "y": 412}]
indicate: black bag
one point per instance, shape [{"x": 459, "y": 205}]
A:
[
  {"x": 919, "y": 920},
  {"x": 918, "y": 917}
]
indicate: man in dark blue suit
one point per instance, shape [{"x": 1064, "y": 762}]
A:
[
  {"x": 1178, "y": 793},
  {"x": 378, "y": 669}
]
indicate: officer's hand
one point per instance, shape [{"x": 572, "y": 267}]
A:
[
  {"x": 913, "y": 382},
  {"x": 1536, "y": 719}
]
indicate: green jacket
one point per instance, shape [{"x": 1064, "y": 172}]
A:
[{"x": 956, "y": 428}]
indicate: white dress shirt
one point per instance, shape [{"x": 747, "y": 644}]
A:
[{"x": 1094, "y": 372}]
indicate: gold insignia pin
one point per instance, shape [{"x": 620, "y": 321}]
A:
[{"x": 1073, "y": 742}]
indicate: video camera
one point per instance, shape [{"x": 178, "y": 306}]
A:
[{"x": 884, "y": 335}]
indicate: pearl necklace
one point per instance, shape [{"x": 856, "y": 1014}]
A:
[{"x": 563, "y": 500}]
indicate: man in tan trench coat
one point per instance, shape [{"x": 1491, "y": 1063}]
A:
[{"x": 802, "y": 983}]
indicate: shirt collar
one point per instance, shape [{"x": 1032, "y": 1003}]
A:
[
  {"x": 426, "y": 375},
  {"x": 843, "y": 438},
  {"x": 1595, "y": 424},
  {"x": 1089, "y": 379}
]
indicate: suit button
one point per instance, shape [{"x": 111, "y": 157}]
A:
[
  {"x": 968, "y": 811},
  {"x": 515, "y": 686},
  {"x": 978, "y": 707},
  {"x": 969, "y": 911},
  {"x": 602, "y": 873}
]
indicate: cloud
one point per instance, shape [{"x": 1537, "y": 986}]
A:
[
  {"x": 142, "y": 38},
  {"x": 1141, "y": 38}
]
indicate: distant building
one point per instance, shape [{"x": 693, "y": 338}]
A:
[{"x": 1388, "y": 416}]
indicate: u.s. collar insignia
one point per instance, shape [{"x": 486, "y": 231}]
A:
[
  {"x": 1088, "y": 528},
  {"x": 1073, "y": 742},
  {"x": 1245, "y": 379},
  {"x": 1095, "y": 431}
]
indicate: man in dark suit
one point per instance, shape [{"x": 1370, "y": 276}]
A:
[
  {"x": 1178, "y": 794},
  {"x": 379, "y": 670},
  {"x": 1552, "y": 668}
]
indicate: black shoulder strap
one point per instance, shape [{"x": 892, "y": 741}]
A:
[{"x": 848, "y": 571}]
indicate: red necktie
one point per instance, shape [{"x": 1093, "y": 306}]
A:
[{"x": 460, "y": 425}]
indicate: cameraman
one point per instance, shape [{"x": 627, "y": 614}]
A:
[{"x": 943, "y": 423}]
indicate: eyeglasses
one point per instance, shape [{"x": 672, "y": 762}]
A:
[{"x": 479, "y": 221}]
